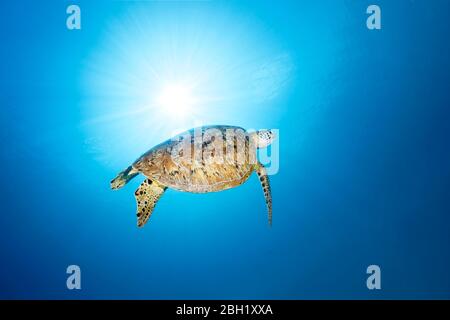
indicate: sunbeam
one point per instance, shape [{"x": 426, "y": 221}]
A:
[{"x": 157, "y": 72}]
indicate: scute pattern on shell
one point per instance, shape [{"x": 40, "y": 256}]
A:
[{"x": 217, "y": 160}]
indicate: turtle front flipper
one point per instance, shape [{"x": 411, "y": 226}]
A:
[
  {"x": 264, "y": 179},
  {"x": 146, "y": 196}
]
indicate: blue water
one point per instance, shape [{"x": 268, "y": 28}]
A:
[{"x": 364, "y": 159}]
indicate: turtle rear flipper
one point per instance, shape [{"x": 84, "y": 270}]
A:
[
  {"x": 123, "y": 178},
  {"x": 147, "y": 195}
]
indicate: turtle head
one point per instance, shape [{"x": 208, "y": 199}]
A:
[{"x": 264, "y": 138}]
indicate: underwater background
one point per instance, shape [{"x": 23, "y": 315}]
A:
[{"x": 363, "y": 165}]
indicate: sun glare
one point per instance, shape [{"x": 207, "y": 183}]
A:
[
  {"x": 184, "y": 68},
  {"x": 176, "y": 100}
]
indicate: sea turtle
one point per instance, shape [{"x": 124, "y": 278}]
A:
[{"x": 204, "y": 159}]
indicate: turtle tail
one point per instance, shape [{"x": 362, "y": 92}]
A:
[{"x": 123, "y": 178}]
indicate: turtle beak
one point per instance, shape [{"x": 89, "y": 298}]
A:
[{"x": 273, "y": 134}]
